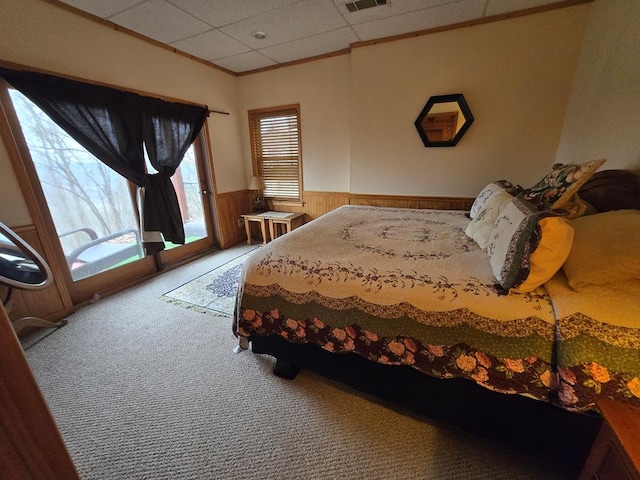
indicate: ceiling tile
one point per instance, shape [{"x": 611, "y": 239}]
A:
[
  {"x": 224, "y": 12},
  {"x": 222, "y": 31},
  {"x": 391, "y": 9},
  {"x": 302, "y": 19},
  {"x": 245, "y": 61},
  {"x": 211, "y": 45},
  {"x": 311, "y": 46},
  {"x": 101, "y": 8},
  {"x": 161, "y": 21},
  {"x": 460, "y": 11},
  {"x": 496, "y": 7}
]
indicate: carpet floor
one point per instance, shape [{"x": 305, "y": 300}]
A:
[{"x": 144, "y": 389}]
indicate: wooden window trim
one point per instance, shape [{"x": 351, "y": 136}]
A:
[{"x": 257, "y": 114}]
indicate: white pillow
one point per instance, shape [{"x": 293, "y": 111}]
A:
[
  {"x": 480, "y": 227},
  {"x": 487, "y": 192}
]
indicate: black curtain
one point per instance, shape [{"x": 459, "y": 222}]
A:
[
  {"x": 168, "y": 130},
  {"x": 114, "y": 126}
]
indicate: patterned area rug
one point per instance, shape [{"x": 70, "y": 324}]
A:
[{"x": 213, "y": 292}]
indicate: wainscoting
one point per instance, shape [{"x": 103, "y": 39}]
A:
[
  {"x": 51, "y": 303},
  {"x": 232, "y": 205}
]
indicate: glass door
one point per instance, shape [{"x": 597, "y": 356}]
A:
[
  {"x": 194, "y": 199},
  {"x": 94, "y": 210}
]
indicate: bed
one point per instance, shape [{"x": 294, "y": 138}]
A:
[{"x": 417, "y": 307}]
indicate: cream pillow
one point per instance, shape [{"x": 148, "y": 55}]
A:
[
  {"x": 606, "y": 249},
  {"x": 479, "y": 229}
]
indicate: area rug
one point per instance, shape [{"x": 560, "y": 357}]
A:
[{"x": 214, "y": 292}]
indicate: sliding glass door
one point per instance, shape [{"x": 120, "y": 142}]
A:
[{"x": 94, "y": 211}]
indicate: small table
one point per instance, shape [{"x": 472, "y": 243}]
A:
[
  {"x": 615, "y": 454},
  {"x": 290, "y": 220},
  {"x": 261, "y": 218}
]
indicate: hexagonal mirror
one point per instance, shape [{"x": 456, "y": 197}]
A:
[{"x": 444, "y": 120}]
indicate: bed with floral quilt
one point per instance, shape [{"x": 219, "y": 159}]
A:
[{"x": 510, "y": 297}]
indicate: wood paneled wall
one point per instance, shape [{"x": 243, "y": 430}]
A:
[
  {"x": 232, "y": 205},
  {"x": 398, "y": 201},
  {"x": 52, "y": 303},
  {"x": 229, "y": 207}
]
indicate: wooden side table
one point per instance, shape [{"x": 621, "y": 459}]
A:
[
  {"x": 615, "y": 454},
  {"x": 261, "y": 218},
  {"x": 288, "y": 220}
]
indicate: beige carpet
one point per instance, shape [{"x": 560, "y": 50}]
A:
[{"x": 143, "y": 389}]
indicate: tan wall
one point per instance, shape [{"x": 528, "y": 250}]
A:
[
  {"x": 603, "y": 118},
  {"x": 41, "y": 35},
  {"x": 322, "y": 90},
  {"x": 515, "y": 74}
]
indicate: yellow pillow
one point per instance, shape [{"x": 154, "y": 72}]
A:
[
  {"x": 551, "y": 253},
  {"x": 606, "y": 249}
]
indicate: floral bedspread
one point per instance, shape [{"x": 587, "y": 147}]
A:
[
  {"x": 400, "y": 286},
  {"x": 598, "y": 337}
]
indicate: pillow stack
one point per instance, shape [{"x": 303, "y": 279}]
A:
[{"x": 527, "y": 236}]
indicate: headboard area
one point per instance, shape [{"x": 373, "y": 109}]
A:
[{"x": 612, "y": 190}]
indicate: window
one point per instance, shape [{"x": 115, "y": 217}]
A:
[
  {"x": 92, "y": 207},
  {"x": 275, "y": 146}
]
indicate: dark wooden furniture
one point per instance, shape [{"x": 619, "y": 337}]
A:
[
  {"x": 30, "y": 444},
  {"x": 616, "y": 452}
]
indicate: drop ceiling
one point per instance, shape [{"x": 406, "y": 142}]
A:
[{"x": 224, "y": 32}]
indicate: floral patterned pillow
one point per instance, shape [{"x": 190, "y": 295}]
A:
[
  {"x": 515, "y": 237},
  {"x": 481, "y": 226},
  {"x": 490, "y": 190},
  {"x": 560, "y": 185}
]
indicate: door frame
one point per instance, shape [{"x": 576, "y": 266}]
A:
[{"x": 107, "y": 282}]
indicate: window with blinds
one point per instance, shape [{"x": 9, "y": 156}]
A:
[{"x": 275, "y": 145}]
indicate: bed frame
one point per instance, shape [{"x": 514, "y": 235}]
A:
[{"x": 515, "y": 419}]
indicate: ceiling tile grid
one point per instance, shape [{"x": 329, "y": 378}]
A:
[
  {"x": 300, "y": 20},
  {"x": 311, "y": 46},
  {"x": 161, "y": 21},
  {"x": 211, "y": 45},
  {"x": 224, "y": 31},
  {"x": 445, "y": 14}
]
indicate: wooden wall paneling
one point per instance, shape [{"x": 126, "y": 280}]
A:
[
  {"x": 30, "y": 443},
  {"x": 230, "y": 206},
  {"x": 319, "y": 203},
  {"x": 48, "y": 303},
  {"x": 398, "y": 201},
  {"x": 315, "y": 204}
]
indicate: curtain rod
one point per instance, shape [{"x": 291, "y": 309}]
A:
[{"x": 19, "y": 67}]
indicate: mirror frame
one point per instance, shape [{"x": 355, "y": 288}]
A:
[
  {"x": 464, "y": 108},
  {"x": 31, "y": 254}
]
